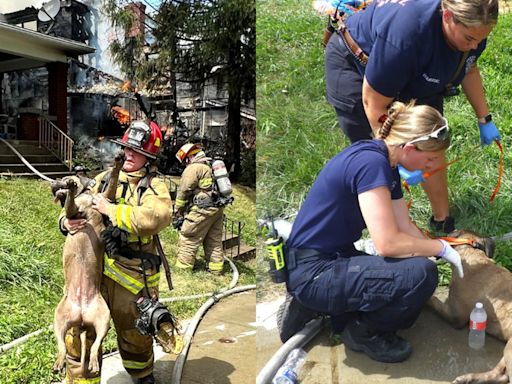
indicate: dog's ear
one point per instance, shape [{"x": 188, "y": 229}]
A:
[{"x": 489, "y": 246}]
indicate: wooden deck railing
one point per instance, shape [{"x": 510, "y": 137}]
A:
[{"x": 60, "y": 144}]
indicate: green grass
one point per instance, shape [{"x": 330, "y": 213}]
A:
[
  {"x": 31, "y": 276},
  {"x": 297, "y": 130}
]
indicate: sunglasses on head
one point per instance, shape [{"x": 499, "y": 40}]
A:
[{"x": 439, "y": 134}]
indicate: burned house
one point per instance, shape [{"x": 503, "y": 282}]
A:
[{"x": 81, "y": 91}]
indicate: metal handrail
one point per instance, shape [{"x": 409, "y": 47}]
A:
[
  {"x": 60, "y": 144},
  {"x": 229, "y": 229}
]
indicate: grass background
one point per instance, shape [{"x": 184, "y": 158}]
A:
[
  {"x": 297, "y": 130},
  {"x": 31, "y": 277}
]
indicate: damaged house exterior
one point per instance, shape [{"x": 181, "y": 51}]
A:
[{"x": 57, "y": 70}]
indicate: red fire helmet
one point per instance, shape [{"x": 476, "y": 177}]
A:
[
  {"x": 188, "y": 149},
  {"x": 142, "y": 138}
]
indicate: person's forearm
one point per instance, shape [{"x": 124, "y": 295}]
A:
[
  {"x": 474, "y": 91},
  {"x": 406, "y": 245},
  {"x": 375, "y": 105}
]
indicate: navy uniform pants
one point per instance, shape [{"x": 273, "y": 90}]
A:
[
  {"x": 344, "y": 79},
  {"x": 387, "y": 294}
]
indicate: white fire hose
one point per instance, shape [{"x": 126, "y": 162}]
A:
[{"x": 26, "y": 162}]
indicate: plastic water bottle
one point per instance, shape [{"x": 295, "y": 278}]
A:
[
  {"x": 477, "y": 325},
  {"x": 289, "y": 371}
]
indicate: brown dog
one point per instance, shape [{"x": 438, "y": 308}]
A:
[
  {"x": 83, "y": 305},
  {"x": 490, "y": 284}
]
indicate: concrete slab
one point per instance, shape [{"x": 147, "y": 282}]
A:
[
  {"x": 440, "y": 353},
  {"x": 222, "y": 351}
]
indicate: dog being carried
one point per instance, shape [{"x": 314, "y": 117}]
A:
[{"x": 82, "y": 304}]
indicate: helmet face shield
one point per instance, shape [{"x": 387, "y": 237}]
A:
[
  {"x": 143, "y": 138},
  {"x": 138, "y": 135}
]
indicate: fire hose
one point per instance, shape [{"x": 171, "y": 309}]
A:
[
  {"x": 299, "y": 340},
  {"x": 27, "y": 163},
  {"x": 191, "y": 328},
  {"x": 214, "y": 297}
]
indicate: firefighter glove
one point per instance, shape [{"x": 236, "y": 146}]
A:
[
  {"x": 114, "y": 239},
  {"x": 411, "y": 177},
  {"x": 488, "y": 132},
  {"x": 177, "y": 222},
  {"x": 452, "y": 256}
]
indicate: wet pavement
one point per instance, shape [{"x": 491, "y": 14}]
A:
[
  {"x": 440, "y": 353},
  {"x": 223, "y": 349}
]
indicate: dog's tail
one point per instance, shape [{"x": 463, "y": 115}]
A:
[{"x": 83, "y": 351}]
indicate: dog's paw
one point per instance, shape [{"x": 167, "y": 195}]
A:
[
  {"x": 94, "y": 365},
  {"x": 119, "y": 160},
  {"x": 71, "y": 185},
  {"x": 59, "y": 365}
]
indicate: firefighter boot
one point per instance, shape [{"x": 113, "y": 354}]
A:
[{"x": 149, "y": 379}]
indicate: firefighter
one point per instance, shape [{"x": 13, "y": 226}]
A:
[
  {"x": 141, "y": 211},
  {"x": 197, "y": 208},
  {"x": 406, "y": 50}
]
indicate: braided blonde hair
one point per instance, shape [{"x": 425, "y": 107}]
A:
[{"x": 406, "y": 122}]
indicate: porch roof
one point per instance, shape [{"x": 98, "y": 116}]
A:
[{"x": 22, "y": 48}]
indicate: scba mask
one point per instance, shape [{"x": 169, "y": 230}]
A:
[{"x": 156, "y": 320}]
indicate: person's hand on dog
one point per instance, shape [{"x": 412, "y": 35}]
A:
[
  {"x": 100, "y": 203},
  {"x": 73, "y": 225},
  {"x": 452, "y": 256}
]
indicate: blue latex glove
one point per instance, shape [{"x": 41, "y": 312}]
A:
[
  {"x": 412, "y": 177},
  {"x": 488, "y": 133}
]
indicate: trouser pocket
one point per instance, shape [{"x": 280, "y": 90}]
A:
[{"x": 369, "y": 290}]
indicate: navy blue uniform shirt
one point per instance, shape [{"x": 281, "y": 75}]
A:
[
  {"x": 330, "y": 218},
  {"x": 408, "y": 53}
]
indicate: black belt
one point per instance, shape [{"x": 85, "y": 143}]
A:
[{"x": 296, "y": 254}]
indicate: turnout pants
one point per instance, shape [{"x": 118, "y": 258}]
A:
[
  {"x": 202, "y": 227},
  {"x": 385, "y": 293},
  {"x": 136, "y": 350}
]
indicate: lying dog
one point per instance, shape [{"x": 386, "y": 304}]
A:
[
  {"x": 490, "y": 284},
  {"x": 83, "y": 305}
]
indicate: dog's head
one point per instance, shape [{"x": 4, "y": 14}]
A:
[
  {"x": 60, "y": 188},
  {"x": 485, "y": 244}
]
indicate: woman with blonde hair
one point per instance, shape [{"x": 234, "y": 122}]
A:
[
  {"x": 411, "y": 49},
  {"x": 374, "y": 296}
]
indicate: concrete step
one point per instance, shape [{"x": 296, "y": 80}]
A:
[
  {"x": 11, "y": 158},
  {"x": 41, "y": 167},
  {"x": 246, "y": 252},
  {"x": 25, "y": 147},
  {"x": 31, "y": 175}
]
